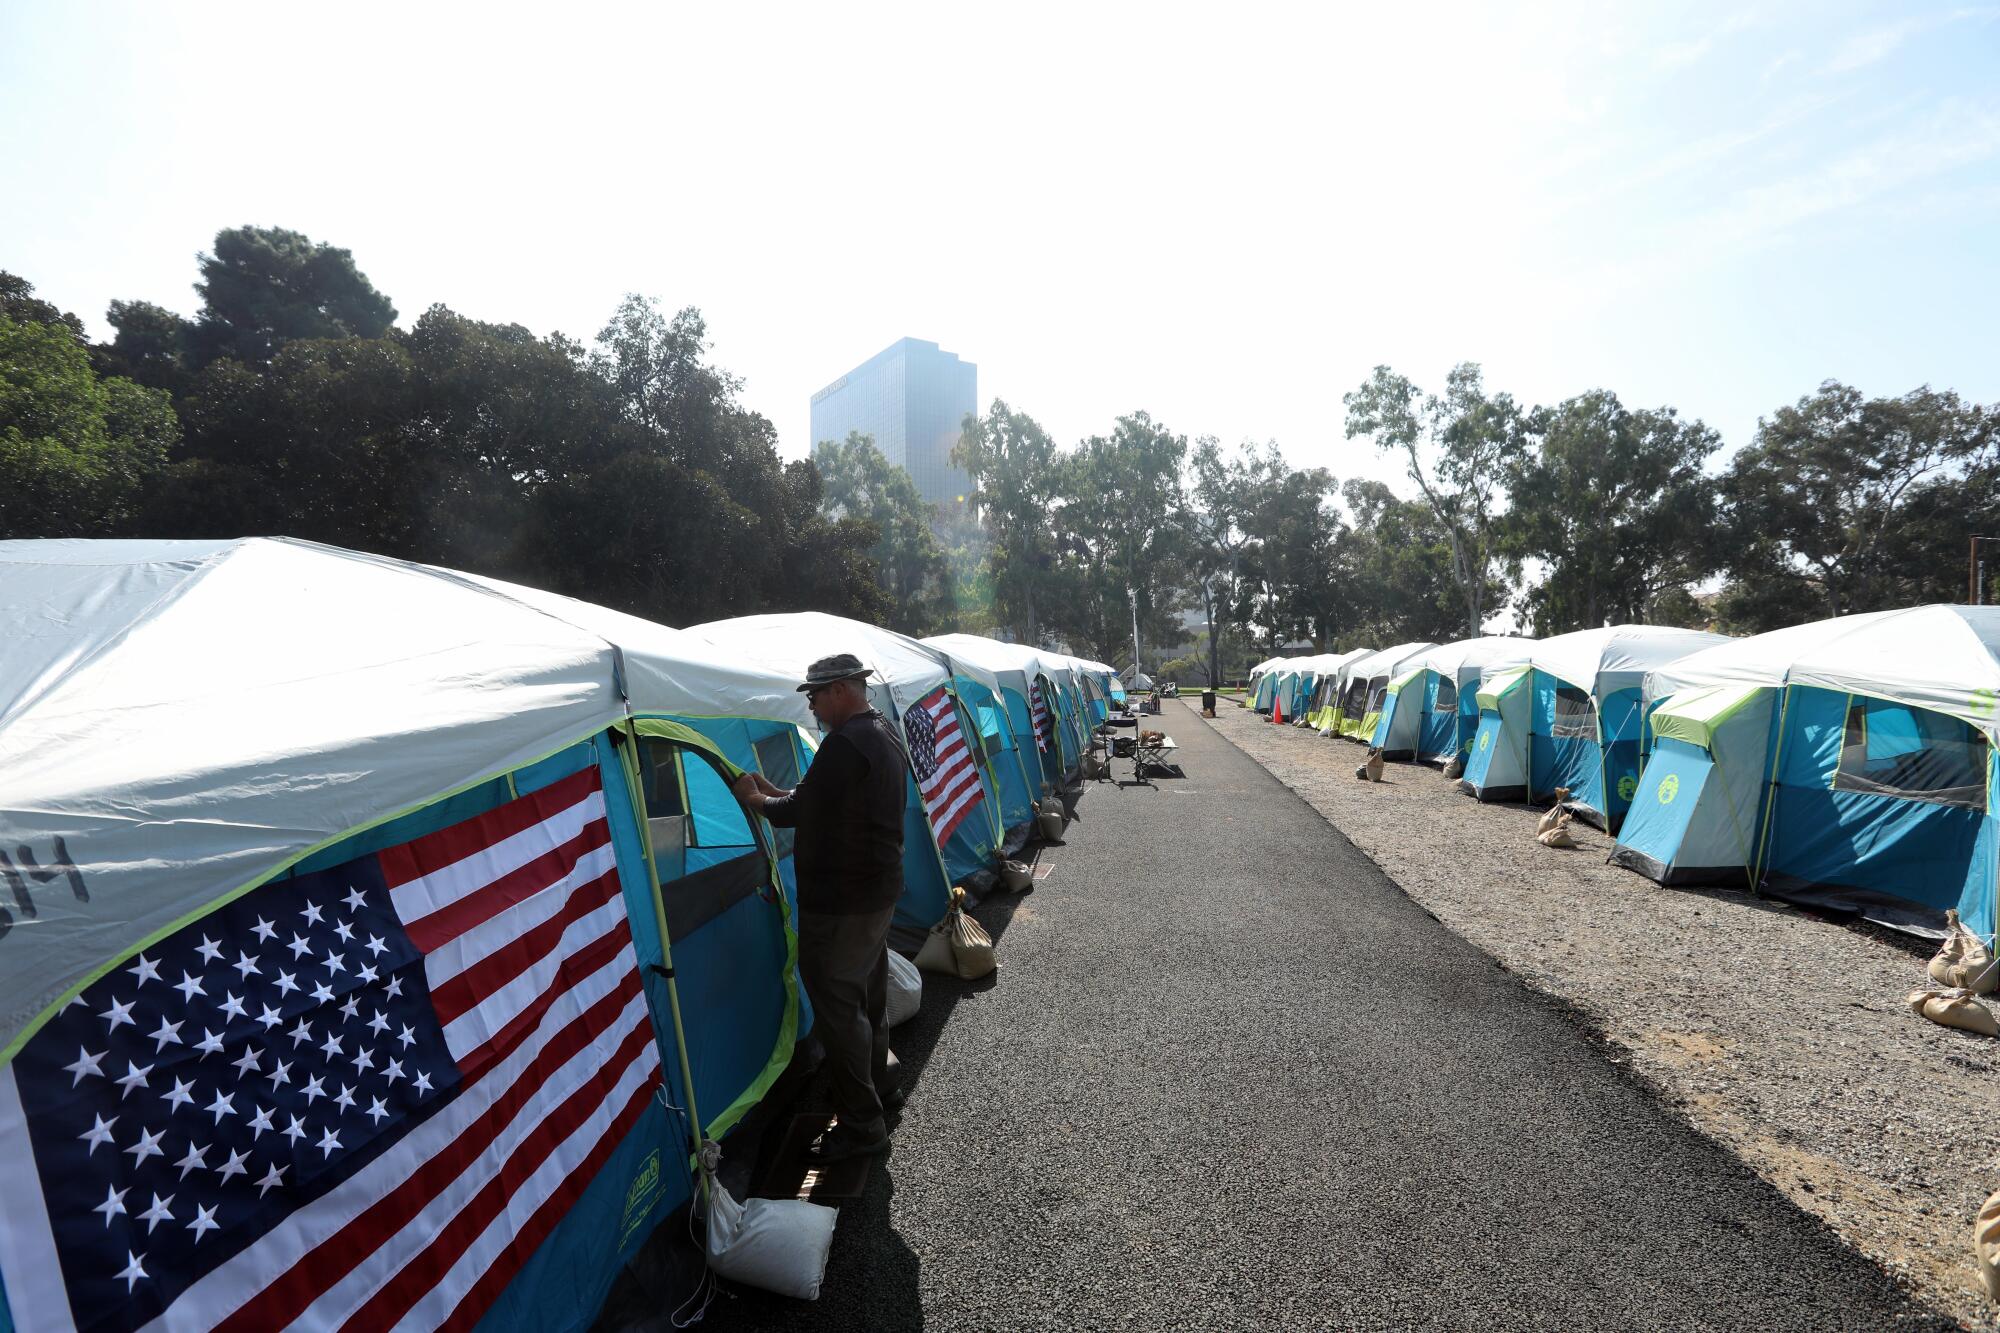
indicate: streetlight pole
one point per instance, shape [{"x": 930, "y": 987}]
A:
[{"x": 1133, "y": 597}]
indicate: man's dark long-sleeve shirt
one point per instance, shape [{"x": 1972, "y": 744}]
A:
[{"x": 848, "y": 811}]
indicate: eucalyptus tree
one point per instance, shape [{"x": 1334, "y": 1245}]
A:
[{"x": 1458, "y": 447}]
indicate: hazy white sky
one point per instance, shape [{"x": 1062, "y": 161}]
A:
[{"x": 1222, "y": 215}]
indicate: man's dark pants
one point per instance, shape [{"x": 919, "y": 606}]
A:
[{"x": 843, "y": 960}]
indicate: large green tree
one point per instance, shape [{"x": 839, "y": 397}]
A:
[
  {"x": 262, "y": 287},
  {"x": 1301, "y": 538},
  {"x": 910, "y": 563},
  {"x": 1122, "y": 526},
  {"x": 1847, "y": 503},
  {"x": 1615, "y": 504},
  {"x": 1396, "y": 576},
  {"x": 76, "y": 450},
  {"x": 1016, "y": 486},
  {"x": 1458, "y": 448},
  {"x": 1225, "y": 494},
  {"x": 150, "y": 344},
  {"x": 19, "y": 303}
]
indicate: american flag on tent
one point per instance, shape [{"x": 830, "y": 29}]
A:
[
  {"x": 357, "y": 1098},
  {"x": 947, "y": 773},
  {"x": 1039, "y": 714}
]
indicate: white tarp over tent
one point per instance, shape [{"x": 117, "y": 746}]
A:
[
  {"x": 992, "y": 655},
  {"x": 1468, "y": 660},
  {"x": 1603, "y": 661},
  {"x": 1940, "y": 657},
  {"x": 671, "y": 670},
  {"x": 190, "y": 717},
  {"x": 792, "y": 641}
]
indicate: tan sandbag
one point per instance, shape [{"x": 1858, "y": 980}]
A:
[
  {"x": 1986, "y": 1245},
  {"x": 1373, "y": 765},
  {"x": 1557, "y": 835},
  {"x": 1950, "y": 952},
  {"x": 1954, "y": 1010},
  {"x": 1916, "y": 1000},
  {"x": 958, "y": 946},
  {"x": 1978, "y": 972},
  {"x": 1555, "y": 812},
  {"x": 1976, "y": 969},
  {"x": 1455, "y": 767},
  {"x": 1051, "y": 825},
  {"x": 1015, "y": 877}
]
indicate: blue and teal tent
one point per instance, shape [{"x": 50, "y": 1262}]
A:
[
  {"x": 946, "y": 841},
  {"x": 1007, "y": 723},
  {"x": 1104, "y": 692},
  {"x": 1114, "y": 686},
  {"x": 1874, "y": 775},
  {"x": 1586, "y": 719},
  {"x": 1699, "y": 810},
  {"x": 1300, "y": 682},
  {"x": 1293, "y": 689},
  {"x": 1399, "y": 726},
  {"x": 472, "y": 811},
  {"x": 1433, "y": 716},
  {"x": 1368, "y": 682},
  {"x": 1496, "y": 767},
  {"x": 1341, "y": 699},
  {"x": 1071, "y": 710},
  {"x": 1264, "y": 683},
  {"x": 1322, "y": 706}
]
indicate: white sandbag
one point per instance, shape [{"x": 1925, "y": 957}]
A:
[
  {"x": 906, "y": 990},
  {"x": 772, "y": 1244}
]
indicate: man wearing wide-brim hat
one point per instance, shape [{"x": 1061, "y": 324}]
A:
[{"x": 848, "y": 813}]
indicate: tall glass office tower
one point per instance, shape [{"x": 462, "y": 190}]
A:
[{"x": 913, "y": 398}]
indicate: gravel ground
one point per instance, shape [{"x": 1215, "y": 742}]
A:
[
  {"x": 1781, "y": 1035},
  {"x": 1231, "y": 1077}
]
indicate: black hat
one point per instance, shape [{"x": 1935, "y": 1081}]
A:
[{"x": 841, "y": 666}]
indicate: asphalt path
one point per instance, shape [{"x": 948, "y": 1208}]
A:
[{"x": 1230, "y": 1077}]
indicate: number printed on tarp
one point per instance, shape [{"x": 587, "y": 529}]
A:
[{"x": 21, "y": 871}]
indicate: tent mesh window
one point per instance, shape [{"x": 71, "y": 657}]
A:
[
  {"x": 1576, "y": 714},
  {"x": 1891, "y": 749},
  {"x": 778, "y": 757},
  {"x": 720, "y": 861},
  {"x": 1377, "y": 697},
  {"x": 1447, "y": 695},
  {"x": 1355, "y": 695}
]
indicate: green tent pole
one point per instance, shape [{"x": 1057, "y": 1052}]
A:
[
  {"x": 638, "y": 787},
  {"x": 1771, "y": 789}
]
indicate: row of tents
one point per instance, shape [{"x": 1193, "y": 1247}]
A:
[
  {"x": 1847, "y": 763},
  {"x": 195, "y": 734}
]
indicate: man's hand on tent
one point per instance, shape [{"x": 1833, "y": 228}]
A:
[{"x": 753, "y": 789}]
